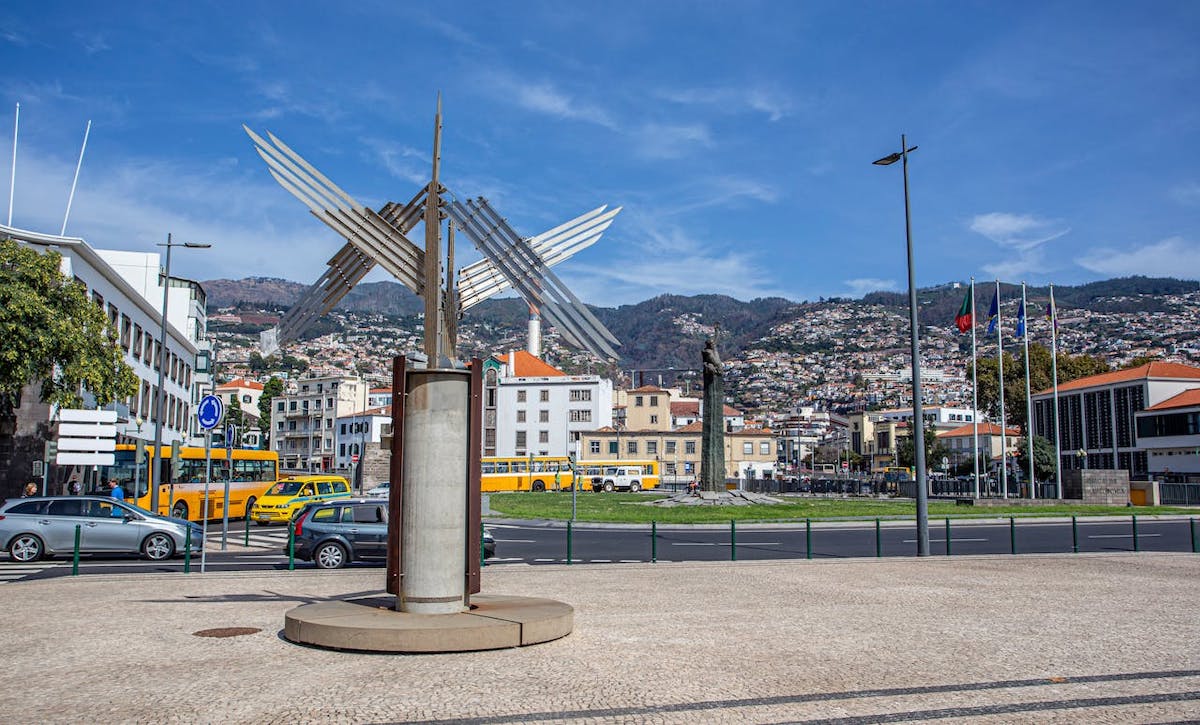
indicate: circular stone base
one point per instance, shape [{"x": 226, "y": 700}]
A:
[{"x": 371, "y": 624}]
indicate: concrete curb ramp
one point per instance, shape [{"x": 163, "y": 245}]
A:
[{"x": 370, "y": 624}]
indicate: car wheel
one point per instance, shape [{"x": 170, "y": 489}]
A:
[
  {"x": 538, "y": 486},
  {"x": 608, "y": 486},
  {"x": 26, "y": 547},
  {"x": 330, "y": 556},
  {"x": 158, "y": 547},
  {"x": 635, "y": 487},
  {"x": 250, "y": 505},
  {"x": 179, "y": 510}
]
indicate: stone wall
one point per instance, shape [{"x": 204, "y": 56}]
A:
[{"x": 1097, "y": 486}]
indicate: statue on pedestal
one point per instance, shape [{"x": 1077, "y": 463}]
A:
[{"x": 712, "y": 442}]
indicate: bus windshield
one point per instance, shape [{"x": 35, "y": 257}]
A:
[{"x": 123, "y": 470}]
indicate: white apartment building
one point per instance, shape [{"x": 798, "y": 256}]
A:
[
  {"x": 304, "y": 419},
  {"x": 531, "y": 408},
  {"x": 359, "y": 433}
]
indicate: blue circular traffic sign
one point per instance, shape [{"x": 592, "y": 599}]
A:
[{"x": 209, "y": 411}]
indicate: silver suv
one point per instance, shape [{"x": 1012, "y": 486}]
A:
[{"x": 31, "y": 528}]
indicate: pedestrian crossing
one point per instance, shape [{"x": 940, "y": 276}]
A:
[
  {"x": 261, "y": 537},
  {"x": 12, "y": 571}
]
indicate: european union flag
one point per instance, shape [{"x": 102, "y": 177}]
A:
[
  {"x": 993, "y": 312},
  {"x": 1021, "y": 320}
]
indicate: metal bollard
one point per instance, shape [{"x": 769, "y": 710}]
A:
[
  {"x": 291, "y": 546},
  {"x": 1074, "y": 535},
  {"x": 75, "y": 558},
  {"x": 1012, "y": 535},
  {"x": 1135, "y": 536},
  {"x": 878, "y": 541},
  {"x": 733, "y": 539},
  {"x": 246, "y": 540},
  {"x": 482, "y": 552},
  {"x": 653, "y": 542},
  {"x": 947, "y": 536},
  {"x": 187, "y": 551},
  {"x": 807, "y": 538},
  {"x": 569, "y": 537},
  {"x": 1192, "y": 526}
]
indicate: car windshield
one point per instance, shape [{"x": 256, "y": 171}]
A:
[{"x": 286, "y": 488}]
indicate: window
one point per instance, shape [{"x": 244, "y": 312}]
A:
[
  {"x": 653, "y": 401},
  {"x": 651, "y": 448},
  {"x": 521, "y": 396},
  {"x": 329, "y": 402},
  {"x": 279, "y": 425},
  {"x": 689, "y": 448},
  {"x": 747, "y": 449},
  {"x": 594, "y": 447},
  {"x": 581, "y": 416},
  {"x": 653, "y": 420},
  {"x": 520, "y": 416},
  {"x": 670, "y": 448},
  {"x": 544, "y": 396},
  {"x": 612, "y": 448},
  {"x": 341, "y": 449},
  {"x": 343, "y": 429},
  {"x": 126, "y": 332},
  {"x": 637, "y": 401},
  {"x": 631, "y": 447},
  {"x": 521, "y": 442},
  {"x": 580, "y": 395},
  {"x": 543, "y": 417},
  {"x": 137, "y": 342},
  {"x": 543, "y": 436},
  {"x": 764, "y": 449}
]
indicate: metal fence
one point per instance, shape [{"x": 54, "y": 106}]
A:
[{"x": 1179, "y": 494}]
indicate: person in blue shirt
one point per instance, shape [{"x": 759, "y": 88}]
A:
[{"x": 118, "y": 493}]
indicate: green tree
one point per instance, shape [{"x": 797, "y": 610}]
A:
[
  {"x": 271, "y": 388},
  {"x": 235, "y": 415},
  {"x": 1044, "y": 463},
  {"x": 1041, "y": 378},
  {"x": 54, "y": 335},
  {"x": 935, "y": 450}
]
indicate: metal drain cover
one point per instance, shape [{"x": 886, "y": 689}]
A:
[{"x": 226, "y": 631}]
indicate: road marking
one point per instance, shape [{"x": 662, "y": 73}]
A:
[
  {"x": 952, "y": 540},
  {"x": 600, "y": 561},
  {"x": 545, "y": 559},
  {"x": 725, "y": 543},
  {"x": 1119, "y": 536},
  {"x": 516, "y": 541}
]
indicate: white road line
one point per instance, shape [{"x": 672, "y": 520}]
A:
[
  {"x": 952, "y": 540},
  {"x": 725, "y": 543},
  {"x": 545, "y": 559},
  {"x": 516, "y": 541},
  {"x": 600, "y": 561},
  {"x": 1119, "y": 536}
]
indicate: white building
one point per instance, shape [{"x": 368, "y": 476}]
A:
[
  {"x": 357, "y": 433},
  {"x": 532, "y": 408},
  {"x": 303, "y": 420}
]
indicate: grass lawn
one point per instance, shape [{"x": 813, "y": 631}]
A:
[{"x": 629, "y": 508}]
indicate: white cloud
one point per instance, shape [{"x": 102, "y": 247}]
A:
[
  {"x": 863, "y": 285},
  {"x": 1187, "y": 193},
  {"x": 1170, "y": 257},
  {"x": 659, "y": 141},
  {"x": 546, "y": 98},
  {"x": 1021, "y": 231},
  {"x": 772, "y": 104},
  {"x": 1023, "y": 265},
  {"x": 402, "y": 162}
]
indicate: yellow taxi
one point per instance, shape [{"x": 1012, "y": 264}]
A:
[{"x": 291, "y": 494}]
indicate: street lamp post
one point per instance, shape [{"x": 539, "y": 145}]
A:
[
  {"x": 918, "y": 413},
  {"x": 160, "y": 399}
]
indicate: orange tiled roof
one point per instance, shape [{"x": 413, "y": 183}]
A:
[
  {"x": 685, "y": 407},
  {"x": 695, "y": 427},
  {"x": 751, "y": 432},
  {"x": 985, "y": 429},
  {"x": 1141, "y": 372},
  {"x": 1186, "y": 399},
  {"x": 240, "y": 383},
  {"x": 528, "y": 366}
]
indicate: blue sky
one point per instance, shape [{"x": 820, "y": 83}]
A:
[{"x": 1059, "y": 142}]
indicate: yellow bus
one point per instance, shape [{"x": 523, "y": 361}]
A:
[
  {"x": 525, "y": 473},
  {"x": 592, "y": 472},
  {"x": 183, "y": 497}
]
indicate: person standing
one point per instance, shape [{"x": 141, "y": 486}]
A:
[
  {"x": 115, "y": 489},
  {"x": 29, "y": 490}
]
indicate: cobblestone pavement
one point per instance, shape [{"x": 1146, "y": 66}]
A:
[{"x": 1084, "y": 638}]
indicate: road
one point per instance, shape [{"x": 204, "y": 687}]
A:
[{"x": 545, "y": 543}]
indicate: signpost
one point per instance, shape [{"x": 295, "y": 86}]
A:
[
  {"x": 208, "y": 415},
  {"x": 86, "y": 437}
]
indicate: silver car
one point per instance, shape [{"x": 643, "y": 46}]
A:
[{"x": 31, "y": 528}]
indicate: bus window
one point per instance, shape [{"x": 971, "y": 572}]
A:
[
  {"x": 519, "y": 467},
  {"x": 487, "y": 467}
]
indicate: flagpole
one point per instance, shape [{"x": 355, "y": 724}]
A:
[
  {"x": 1003, "y": 425},
  {"x": 974, "y": 392},
  {"x": 1054, "y": 368},
  {"x": 1028, "y": 397}
]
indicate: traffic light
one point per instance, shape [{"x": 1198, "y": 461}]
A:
[
  {"x": 139, "y": 452},
  {"x": 51, "y": 451},
  {"x": 176, "y": 460}
]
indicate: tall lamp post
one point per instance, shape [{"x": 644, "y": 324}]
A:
[
  {"x": 160, "y": 399},
  {"x": 918, "y": 413}
]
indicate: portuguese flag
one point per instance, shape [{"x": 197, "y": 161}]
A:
[{"x": 964, "y": 319}]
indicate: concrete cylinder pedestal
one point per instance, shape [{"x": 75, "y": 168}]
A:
[{"x": 434, "y": 531}]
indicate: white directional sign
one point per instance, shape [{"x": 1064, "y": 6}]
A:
[{"x": 86, "y": 437}]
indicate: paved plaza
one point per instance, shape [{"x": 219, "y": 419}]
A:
[{"x": 1064, "y": 638}]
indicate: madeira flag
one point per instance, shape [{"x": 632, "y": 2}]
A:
[{"x": 964, "y": 319}]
